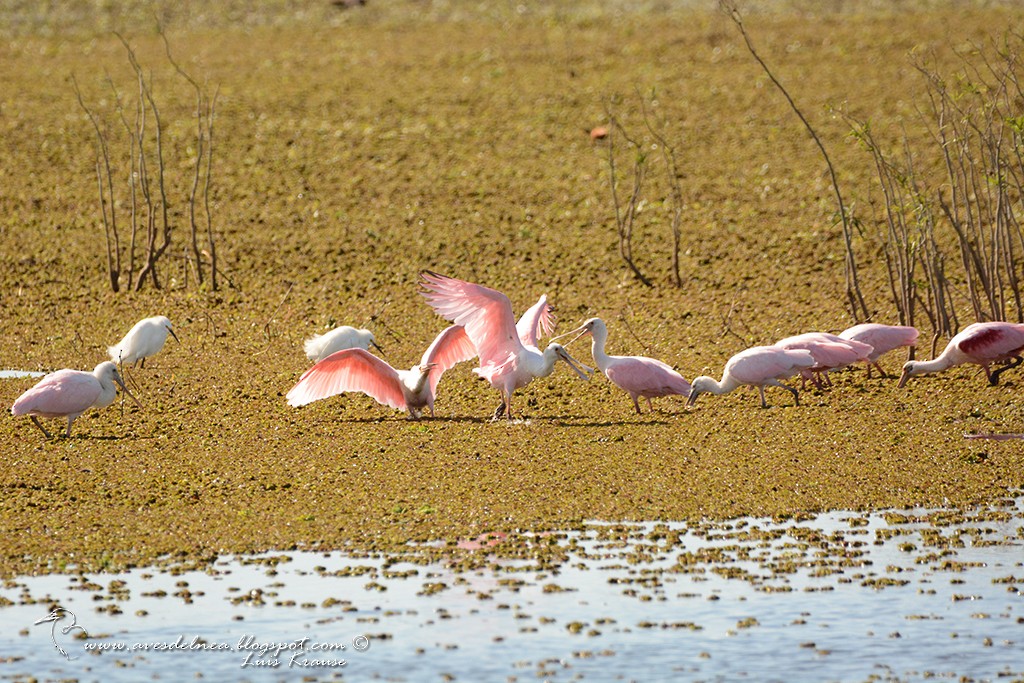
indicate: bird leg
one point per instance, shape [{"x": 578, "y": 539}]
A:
[
  {"x": 796, "y": 394},
  {"x": 993, "y": 378},
  {"x": 760, "y": 389},
  {"x": 41, "y": 427},
  {"x": 67, "y": 434},
  {"x": 636, "y": 404},
  {"x": 649, "y": 404}
]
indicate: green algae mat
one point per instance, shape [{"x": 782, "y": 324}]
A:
[{"x": 356, "y": 148}]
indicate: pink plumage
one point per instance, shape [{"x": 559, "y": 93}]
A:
[
  {"x": 359, "y": 370},
  {"x": 882, "y": 339},
  {"x": 636, "y": 375},
  {"x": 759, "y": 366},
  {"x": 982, "y": 344},
  {"x": 830, "y": 352},
  {"x": 486, "y": 314},
  {"x": 69, "y": 393}
]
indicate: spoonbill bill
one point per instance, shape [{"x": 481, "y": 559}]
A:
[
  {"x": 359, "y": 370},
  {"x": 981, "y": 344},
  {"x": 69, "y": 393},
  {"x": 505, "y": 361},
  {"x": 830, "y": 352},
  {"x": 882, "y": 339},
  {"x": 636, "y": 375},
  {"x": 145, "y": 339},
  {"x": 759, "y": 366},
  {"x": 320, "y": 346}
]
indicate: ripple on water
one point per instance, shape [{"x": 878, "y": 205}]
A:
[{"x": 841, "y": 596}]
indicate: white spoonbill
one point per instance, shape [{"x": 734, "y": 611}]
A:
[
  {"x": 636, "y": 375},
  {"x": 320, "y": 346},
  {"x": 69, "y": 393},
  {"x": 830, "y": 352},
  {"x": 145, "y": 339},
  {"x": 882, "y": 339},
  {"x": 759, "y": 366},
  {"x": 981, "y": 344},
  {"x": 505, "y": 361},
  {"x": 359, "y": 370}
]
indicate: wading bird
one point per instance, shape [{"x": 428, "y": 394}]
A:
[
  {"x": 759, "y": 367},
  {"x": 359, "y": 370},
  {"x": 505, "y": 361},
  {"x": 882, "y": 339},
  {"x": 145, "y": 339},
  {"x": 830, "y": 352},
  {"x": 636, "y": 375},
  {"x": 322, "y": 345},
  {"x": 69, "y": 393},
  {"x": 981, "y": 344}
]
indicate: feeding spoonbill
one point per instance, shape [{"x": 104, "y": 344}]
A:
[
  {"x": 981, "y": 344},
  {"x": 882, "y": 339},
  {"x": 320, "y": 346},
  {"x": 69, "y": 393},
  {"x": 636, "y": 375},
  {"x": 359, "y": 370},
  {"x": 830, "y": 352},
  {"x": 505, "y": 361},
  {"x": 145, "y": 339},
  {"x": 759, "y": 366}
]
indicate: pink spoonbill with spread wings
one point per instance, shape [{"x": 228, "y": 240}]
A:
[
  {"x": 636, "y": 375},
  {"x": 356, "y": 369},
  {"x": 981, "y": 344},
  {"x": 759, "y": 366},
  {"x": 881, "y": 338},
  {"x": 69, "y": 393},
  {"x": 505, "y": 361},
  {"x": 829, "y": 351}
]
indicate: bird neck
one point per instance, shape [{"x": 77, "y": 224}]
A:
[{"x": 601, "y": 358}]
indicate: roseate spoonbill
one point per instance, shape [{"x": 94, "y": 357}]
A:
[
  {"x": 830, "y": 352},
  {"x": 505, "y": 361},
  {"x": 69, "y": 393},
  {"x": 759, "y": 366},
  {"x": 359, "y": 370},
  {"x": 636, "y": 375},
  {"x": 322, "y": 345},
  {"x": 142, "y": 341},
  {"x": 981, "y": 344},
  {"x": 882, "y": 339}
]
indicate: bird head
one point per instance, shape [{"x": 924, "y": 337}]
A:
[
  {"x": 909, "y": 370},
  {"x": 561, "y": 354},
  {"x": 55, "y": 615},
  {"x": 699, "y": 386},
  {"x": 108, "y": 370},
  {"x": 587, "y": 327}
]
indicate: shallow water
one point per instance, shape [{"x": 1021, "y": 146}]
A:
[
  {"x": 843, "y": 596},
  {"x": 19, "y": 374}
]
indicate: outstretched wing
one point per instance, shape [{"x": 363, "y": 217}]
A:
[
  {"x": 538, "y": 318},
  {"x": 450, "y": 348},
  {"x": 485, "y": 313},
  {"x": 349, "y": 370}
]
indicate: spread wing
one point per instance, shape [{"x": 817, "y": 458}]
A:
[
  {"x": 450, "y": 347},
  {"x": 538, "y": 318},
  {"x": 349, "y": 370},
  {"x": 486, "y": 314}
]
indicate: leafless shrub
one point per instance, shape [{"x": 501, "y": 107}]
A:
[
  {"x": 854, "y": 297},
  {"x": 151, "y": 229},
  {"x": 625, "y": 214}
]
